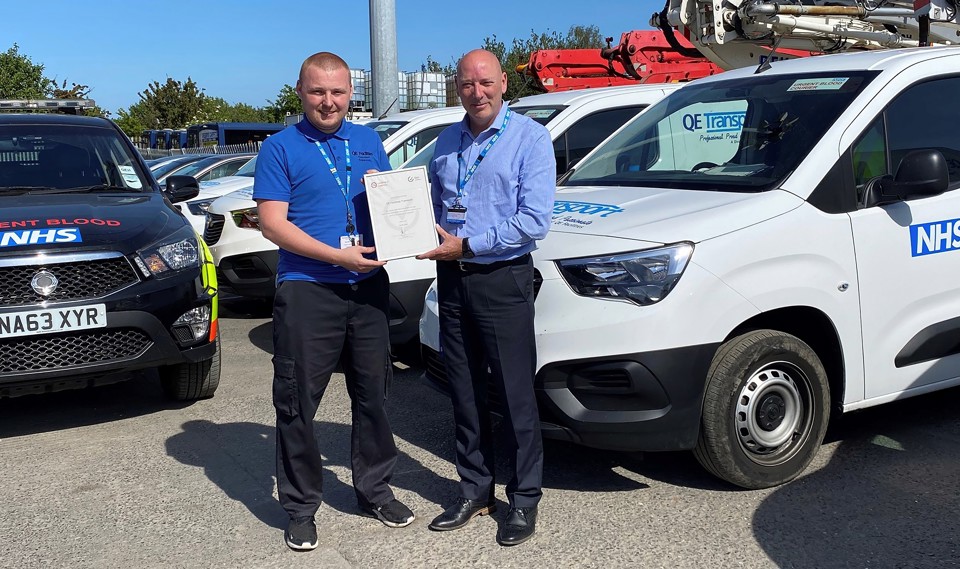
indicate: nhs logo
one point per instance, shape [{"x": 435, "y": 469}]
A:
[
  {"x": 934, "y": 237},
  {"x": 40, "y": 236}
]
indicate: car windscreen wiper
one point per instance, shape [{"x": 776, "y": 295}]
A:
[
  {"x": 98, "y": 188},
  {"x": 21, "y": 190}
]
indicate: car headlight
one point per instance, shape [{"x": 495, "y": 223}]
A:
[
  {"x": 246, "y": 218},
  {"x": 643, "y": 277},
  {"x": 199, "y": 207},
  {"x": 175, "y": 253}
]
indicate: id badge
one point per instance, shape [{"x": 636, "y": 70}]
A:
[
  {"x": 351, "y": 241},
  {"x": 457, "y": 215}
]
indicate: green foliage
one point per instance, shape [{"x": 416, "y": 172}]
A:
[
  {"x": 577, "y": 37},
  {"x": 20, "y": 77},
  {"x": 287, "y": 102},
  {"x": 433, "y": 66},
  {"x": 173, "y": 104}
]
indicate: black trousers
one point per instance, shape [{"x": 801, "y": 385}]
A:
[
  {"x": 486, "y": 318},
  {"x": 314, "y": 326}
]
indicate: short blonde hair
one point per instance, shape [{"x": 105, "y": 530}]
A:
[{"x": 324, "y": 60}]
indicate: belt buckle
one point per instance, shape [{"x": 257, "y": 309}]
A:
[{"x": 460, "y": 264}]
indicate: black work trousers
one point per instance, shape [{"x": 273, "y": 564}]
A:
[
  {"x": 314, "y": 326},
  {"x": 486, "y": 319}
]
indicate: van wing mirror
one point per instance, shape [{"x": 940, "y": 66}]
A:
[{"x": 921, "y": 173}]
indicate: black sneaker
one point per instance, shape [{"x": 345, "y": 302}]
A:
[
  {"x": 393, "y": 514},
  {"x": 301, "y": 534}
]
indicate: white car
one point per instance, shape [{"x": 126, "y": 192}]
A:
[
  {"x": 577, "y": 121},
  {"x": 210, "y": 190},
  {"x": 747, "y": 255}
]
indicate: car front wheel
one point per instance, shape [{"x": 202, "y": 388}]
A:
[
  {"x": 192, "y": 380},
  {"x": 765, "y": 410}
]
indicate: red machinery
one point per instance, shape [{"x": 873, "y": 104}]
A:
[{"x": 640, "y": 57}]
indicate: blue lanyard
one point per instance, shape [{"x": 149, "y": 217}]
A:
[
  {"x": 336, "y": 176},
  {"x": 462, "y": 181}
]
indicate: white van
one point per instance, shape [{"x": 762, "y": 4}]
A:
[
  {"x": 748, "y": 255},
  {"x": 577, "y": 121}
]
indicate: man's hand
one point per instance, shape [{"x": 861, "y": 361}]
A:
[
  {"x": 370, "y": 171},
  {"x": 450, "y": 249},
  {"x": 352, "y": 259}
]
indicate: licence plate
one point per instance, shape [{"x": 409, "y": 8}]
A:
[{"x": 52, "y": 320}]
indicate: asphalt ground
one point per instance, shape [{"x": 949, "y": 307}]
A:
[{"x": 116, "y": 476}]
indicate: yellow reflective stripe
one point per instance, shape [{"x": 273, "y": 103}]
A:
[{"x": 208, "y": 277}]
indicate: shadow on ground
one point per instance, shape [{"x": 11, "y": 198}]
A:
[
  {"x": 888, "y": 497},
  {"x": 31, "y": 414}
]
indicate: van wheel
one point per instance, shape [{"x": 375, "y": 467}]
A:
[
  {"x": 192, "y": 380},
  {"x": 765, "y": 410}
]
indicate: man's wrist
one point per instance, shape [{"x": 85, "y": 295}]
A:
[{"x": 465, "y": 251}]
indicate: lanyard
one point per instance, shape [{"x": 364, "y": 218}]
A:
[
  {"x": 462, "y": 181},
  {"x": 336, "y": 176}
]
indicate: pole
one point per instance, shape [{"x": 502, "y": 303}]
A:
[{"x": 385, "y": 85}]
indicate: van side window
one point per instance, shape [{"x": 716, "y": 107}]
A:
[
  {"x": 869, "y": 156},
  {"x": 412, "y": 145},
  {"x": 904, "y": 133},
  {"x": 587, "y": 133}
]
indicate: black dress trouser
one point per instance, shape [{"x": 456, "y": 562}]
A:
[
  {"x": 486, "y": 318},
  {"x": 315, "y": 325}
]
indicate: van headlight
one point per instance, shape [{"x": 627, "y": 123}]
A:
[
  {"x": 643, "y": 277},
  {"x": 175, "y": 253}
]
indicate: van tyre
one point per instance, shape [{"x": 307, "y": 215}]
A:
[
  {"x": 765, "y": 410},
  {"x": 192, "y": 380}
]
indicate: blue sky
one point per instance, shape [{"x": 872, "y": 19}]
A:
[{"x": 245, "y": 51}]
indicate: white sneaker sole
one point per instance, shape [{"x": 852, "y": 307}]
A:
[
  {"x": 300, "y": 546},
  {"x": 388, "y": 523}
]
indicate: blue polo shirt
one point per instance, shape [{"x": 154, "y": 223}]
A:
[
  {"x": 290, "y": 168},
  {"x": 509, "y": 198}
]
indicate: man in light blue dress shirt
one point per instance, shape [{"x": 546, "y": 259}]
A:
[{"x": 493, "y": 183}]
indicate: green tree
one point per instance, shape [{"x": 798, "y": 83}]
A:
[
  {"x": 287, "y": 102},
  {"x": 173, "y": 104},
  {"x": 433, "y": 66},
  {"x": 136, "y": 119},
  {"x": 20, "y": 77},
  {"x": 577, "y": 37}
]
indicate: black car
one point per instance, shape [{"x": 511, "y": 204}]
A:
[{"x": 100, "y": 275}]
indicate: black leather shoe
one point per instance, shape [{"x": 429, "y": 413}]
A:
[
  {"x": 520, "y": 525},
  {"x": 459, "y": 514}
]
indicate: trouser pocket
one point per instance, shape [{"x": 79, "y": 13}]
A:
[{"x": 286, "y": 397}]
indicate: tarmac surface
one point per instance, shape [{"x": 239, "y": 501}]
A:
[{"x": 116, "y": 476}]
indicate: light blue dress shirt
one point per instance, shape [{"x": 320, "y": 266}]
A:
[{"x": 509, "y": 198}]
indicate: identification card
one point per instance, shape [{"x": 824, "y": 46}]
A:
[
  {"x": 351, "y": 241},
  {"x": 457, "y": 215}
]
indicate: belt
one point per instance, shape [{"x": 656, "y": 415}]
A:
[{"x": 465, "y": 267}]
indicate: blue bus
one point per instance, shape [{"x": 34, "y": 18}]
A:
[{"x": 227, "y": 133}]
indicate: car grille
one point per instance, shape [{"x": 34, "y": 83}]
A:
[
  {"x": 77, "y": 280},
  {"x": 213, "y": 228},
  {"x": 19, "y": 355}
]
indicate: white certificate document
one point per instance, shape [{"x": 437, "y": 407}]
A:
[{"x": 401, "y": 211}]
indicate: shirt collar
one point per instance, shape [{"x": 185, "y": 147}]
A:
[
  {"x": 313, "y": 134},
  {"x": 494, "y": 126}
]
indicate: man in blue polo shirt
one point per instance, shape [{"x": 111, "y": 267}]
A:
[
  {"x": 332, "y": 297},
  {"x": 493, "y": 183}
]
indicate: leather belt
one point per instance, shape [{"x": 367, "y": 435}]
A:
[{"x": 467, "y": 267}]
